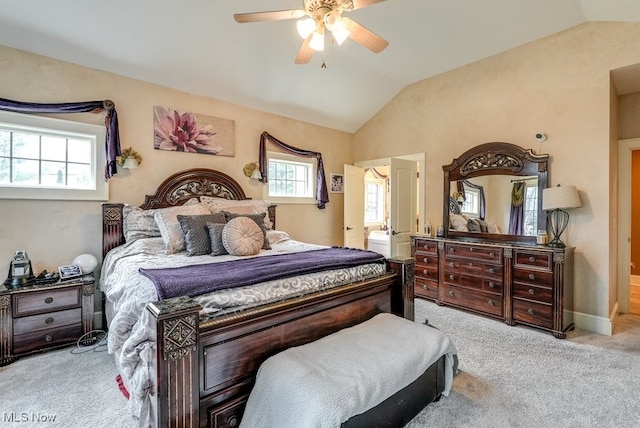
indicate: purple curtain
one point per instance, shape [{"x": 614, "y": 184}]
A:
[
  {"x": 322, "y": 195},
  {"x": 516, "y": 219},
  {"x": 112, "y": 143}
]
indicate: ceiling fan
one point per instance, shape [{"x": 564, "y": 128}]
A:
[{"x": 318, "y": 15}]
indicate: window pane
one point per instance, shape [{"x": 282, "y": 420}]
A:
[
  {"x": 26, "y": 145},
  {"x": 4, "y": 170},
  {"x": 53, "y": 174},
  {"x": 79, "y": 175},
  {"x": 54, "y": 148},
  {"x": 5, "y": 139},
  {"x": 26, "y": 171},
  {"x": 80, "y": 151}
]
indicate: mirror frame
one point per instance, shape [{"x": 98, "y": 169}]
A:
[{"x": 495, "y": 159}]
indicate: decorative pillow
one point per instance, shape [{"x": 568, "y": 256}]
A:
[
  {"x": 138, "y": 223},
  {"x": 167, "y": 219},
  {"x": 196, "y": 234},
  {"x": 215, "y": 238},
  {"x": 242, "y": 236},
  {"x": 473, "y": 225},
  {"x": 484, "y": 227},
  {"x": 246, "y": 206},
  {"x": 458, "y": 222},
  {"x": 258, "y": 218},
  {"x": 492, "y": 227}
]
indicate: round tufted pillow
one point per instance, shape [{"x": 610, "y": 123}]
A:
[{"x": 241, "y": 236}]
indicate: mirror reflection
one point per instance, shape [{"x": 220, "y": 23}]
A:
[{"x": 500, "y": 204}]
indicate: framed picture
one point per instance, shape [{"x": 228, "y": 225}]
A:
[
  {"x": 69, "y": 271},
  {"x": 337, "y": 183}
]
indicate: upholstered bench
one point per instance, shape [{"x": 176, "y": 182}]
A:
[{"x": 380, "y": 372}]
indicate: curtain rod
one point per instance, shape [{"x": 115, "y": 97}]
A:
[{"x": 524, "y": 179}]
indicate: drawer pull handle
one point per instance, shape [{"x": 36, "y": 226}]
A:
[
  {"x": 425, "y": 260},
  {"x": 531, "y": 311},
  {"x": 232, "y": 421},
  {"x": 48, "y": 338},
  {"x": 48, "y": 300},
  {"x": 491, "y": 270},
  {"x": 452, "y": 277},
  {"x": 491, "y": 255},
  {"x": 48, "y": 320},
  {"x": 532, "y": 291},
  {"x": 451, "y": 293},
  {"x": 471, "y": 249},
  {"x": 425, "y": 272},
  {"x": 532, "y": 276},
  {"x": 451, "y": 264},
  {"x": 425, "y": 287},
  {"x": 491, "y": 303},
  {"x": 491, "y": 284},
  {"x": 452, "y": 250},
  {"x": 470, "y": 264},
  {"x": 532, "y": 259}
]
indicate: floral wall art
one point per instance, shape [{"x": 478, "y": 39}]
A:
[{"x": 193, "y": 133}]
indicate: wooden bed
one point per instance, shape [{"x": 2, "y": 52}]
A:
[{"x": 204, "y": 369}]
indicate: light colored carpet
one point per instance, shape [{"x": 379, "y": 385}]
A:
[{"x": 509, "y": 377}]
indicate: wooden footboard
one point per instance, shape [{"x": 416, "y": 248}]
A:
[{"x": 205, "y": 369}]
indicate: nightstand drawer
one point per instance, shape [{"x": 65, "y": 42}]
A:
[
  {"x": 46, "y": 338},
  {"x": 46, "y": 301},
  {"x": 47, "y": 321}
]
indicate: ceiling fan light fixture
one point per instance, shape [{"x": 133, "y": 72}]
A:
[
  {"x": 317, "y": 41},
  {"x": 332, "y": 19},
  {"x": 306, "y": 26},
  {"x": 340, "y": 31}
]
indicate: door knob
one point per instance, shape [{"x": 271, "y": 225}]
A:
[{"x": 349, "y": 228}]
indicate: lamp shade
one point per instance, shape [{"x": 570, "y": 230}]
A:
[{"x": 560, "y": 197}]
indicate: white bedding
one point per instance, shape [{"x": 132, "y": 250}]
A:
[
  {"x": 324, "y": 383},
  {"x": 128, "y": 293}
]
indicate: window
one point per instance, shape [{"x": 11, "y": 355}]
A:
[
  {"x": 291, "y": 179},
  {"x": 471, "y": 204},
  {"x": 374, "y": 202},
  {"x": 46, "y": 158},
  {"x": 531, "y": 211}
]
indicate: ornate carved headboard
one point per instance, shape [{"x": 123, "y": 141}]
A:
[{"x": 175, "y": 190}]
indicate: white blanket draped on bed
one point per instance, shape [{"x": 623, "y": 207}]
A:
[{"x": 324, "y": 383}]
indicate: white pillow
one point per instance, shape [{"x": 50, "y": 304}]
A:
[
  {"x": 458, "y": 222},
  {"x": 138, "y": 223},
  {"x": 241, "y": 236},
  {"x": 245, "y": 206},
  {"x": 170, "y": 229}
]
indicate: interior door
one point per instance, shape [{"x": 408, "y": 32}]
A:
[
  {"x": 353, "y": 207},
  {"x": 403, "y": 183}
]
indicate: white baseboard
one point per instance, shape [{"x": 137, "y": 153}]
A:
[{"x": 600, "y": 325}]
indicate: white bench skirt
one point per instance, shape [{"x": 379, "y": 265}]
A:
[{"x": 326, "y": 382}]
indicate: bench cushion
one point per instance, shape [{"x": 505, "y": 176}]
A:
[{"x": 324, "y": 383}]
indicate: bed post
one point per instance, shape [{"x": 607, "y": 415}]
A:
[
  {"x": 402, "y": 299},
  {"x": 175, "y": 400}
]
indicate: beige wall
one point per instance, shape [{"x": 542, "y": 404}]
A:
[
  {"x": 559, "y": 85},
  {"x": 53, "y": 232}
]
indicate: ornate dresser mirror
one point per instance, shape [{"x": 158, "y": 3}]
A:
[{"x": 485, "y": 183}]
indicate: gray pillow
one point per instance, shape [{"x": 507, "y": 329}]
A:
[
  {"x": 196, "y": 233},
  {"x": 215, "y": 238},
  {"x": 258, "y": 218}
]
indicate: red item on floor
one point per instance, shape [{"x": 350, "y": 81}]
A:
[{"x": 121, "y": 387}]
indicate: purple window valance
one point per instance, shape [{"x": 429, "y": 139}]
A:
[
  {"x": 112, "y": 142},
  {"x": 322, "y": 195}
]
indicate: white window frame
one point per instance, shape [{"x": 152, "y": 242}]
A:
[
  {"x": 52, "y": 126},
  {"x": 381, "y": 200},
  {"x": 311, "y": 162},
  {"x": 471, "y": 205}
]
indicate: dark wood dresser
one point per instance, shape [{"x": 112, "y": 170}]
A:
[
  {"x": 39, "y": 317},
  {"x": 517, "y": 283}
]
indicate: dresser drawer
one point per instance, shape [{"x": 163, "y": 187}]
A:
[
  {"x": 535, "y": 277},
  {"x": 533, "y": 313},
  {"x": 426, "y": 247},
  {"x": 46, "y": 301},
  {"x": 534, "y": 259},
  {"x": 533, "y": 292},
  {"x": 228, "y": 416},
  {"x": 425, "y": 288},
  {"x": 46, "y": 338},
  {"x": 473, "y": 299},
  {"x": 427, "y": 266},
  {"x": 480, "y": 253},
  {"x": 47, "y": 321}
]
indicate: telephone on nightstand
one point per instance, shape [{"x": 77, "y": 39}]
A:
[{"x": 20, "y": 271}]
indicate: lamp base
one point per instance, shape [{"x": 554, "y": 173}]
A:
[{"x": 557, "y": 221}]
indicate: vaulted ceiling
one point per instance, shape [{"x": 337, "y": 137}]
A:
[{"x": 197, "y": 47}]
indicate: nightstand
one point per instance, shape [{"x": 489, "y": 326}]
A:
[{"x": 40, "y": 317}]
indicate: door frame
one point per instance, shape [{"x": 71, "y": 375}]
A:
[
  {"x": 625, "y": 147},
  {"x": 420, "y": 158}
]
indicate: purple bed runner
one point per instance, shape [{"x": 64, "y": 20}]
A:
[{"x": 200, "y": 279}]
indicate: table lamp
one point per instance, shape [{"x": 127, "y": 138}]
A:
[{"x": 557, "y": 200}]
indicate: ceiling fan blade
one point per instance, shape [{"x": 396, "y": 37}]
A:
[
  {"x": 305, "y": 52},
  {"x": 275, "y": 15},
  {"x": 359, "y": 4},
  {"x": 366, "y": 37}
]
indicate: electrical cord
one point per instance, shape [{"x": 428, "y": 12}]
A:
[{"x": 99, "y": 345}]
